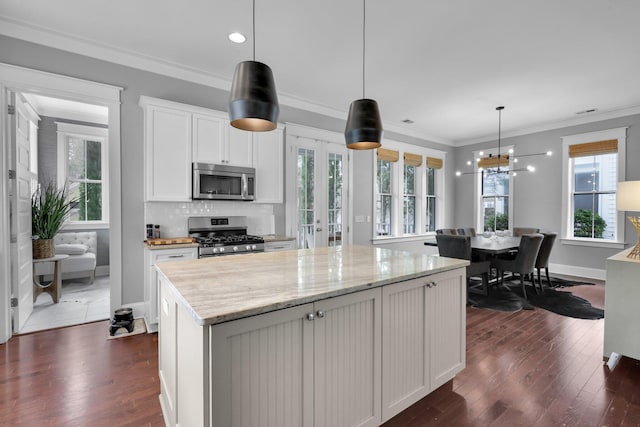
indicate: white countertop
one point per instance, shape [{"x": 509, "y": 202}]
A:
[{"x": 220, "y": 289}]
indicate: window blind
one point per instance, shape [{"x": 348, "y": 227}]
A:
[
  {"x": 388, "y": 155},
  {"x": 434, "y": 163},
  {"x": 593, "y": 148},
  {"x": 494, "y": 161},
  {"x": 411, "y": 159}
]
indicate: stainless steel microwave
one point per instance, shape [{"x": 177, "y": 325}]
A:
[{"x": 223, "y": 182}]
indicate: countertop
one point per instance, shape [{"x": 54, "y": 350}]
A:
[
  {"x": 170, "y": 246},
  {"x": 219, "y": 289},
  {"x": 276, "y": 238}
]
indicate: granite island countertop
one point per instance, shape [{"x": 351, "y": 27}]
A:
[{"x": 220, "y": 289}]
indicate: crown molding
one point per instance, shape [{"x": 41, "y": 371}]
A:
[{"x": 591, "y": 118}]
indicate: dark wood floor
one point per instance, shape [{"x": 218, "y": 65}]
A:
[{"x": 530, "y": 368}]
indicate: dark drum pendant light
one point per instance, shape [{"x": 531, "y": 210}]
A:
[
  {"x": 253, "y": 102},
  {"x": 364, "y": 126}
]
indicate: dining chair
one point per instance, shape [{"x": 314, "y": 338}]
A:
[
  {"x": 469, "y": 231},
  {"x": 447, "y": 231},
  {"x": 524, "y": 261},
  {"x": 542, "y": 261},
  {"x": 453, "y": 246},
  {"x": 519, "y": 231}
]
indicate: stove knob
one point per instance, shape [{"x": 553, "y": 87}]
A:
[
  {"x": 221, "y": 250},
  {"x": 235, "y": 249},
  {"x": 254, "y": 247},
  {"x": 248, "y": 247},
  {"x": 215, "y": 250}
]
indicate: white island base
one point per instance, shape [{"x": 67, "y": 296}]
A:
[{"x": 355, "y": 359}]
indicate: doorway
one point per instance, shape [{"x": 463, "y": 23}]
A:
[
  {"x": 24, "y": 80},
  {"x": 318, "y": 202}
]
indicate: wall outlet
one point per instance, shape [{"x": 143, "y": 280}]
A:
[{"x": 359, "y": 218}]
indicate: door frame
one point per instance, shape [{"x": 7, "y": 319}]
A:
[
  {"x": 295, "y": 130},
  {"x": 20, "y": 79}
]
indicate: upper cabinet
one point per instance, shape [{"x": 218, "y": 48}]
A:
[
  {"x": 177, "y": 135},
  {"x": 167, "y": 152},
  {"x": 216, "y": 141},
  {"x": 268, "y": 153}
]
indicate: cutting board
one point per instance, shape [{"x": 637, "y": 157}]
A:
[{"x": 170, "y": 241}]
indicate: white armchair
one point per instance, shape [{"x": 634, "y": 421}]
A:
[{"x": 81, "y": 248}]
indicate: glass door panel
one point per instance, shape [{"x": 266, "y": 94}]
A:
[{"x": 306, "y": 197}]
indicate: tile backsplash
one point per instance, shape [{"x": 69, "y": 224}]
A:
[{"x": 172, "y": 216}]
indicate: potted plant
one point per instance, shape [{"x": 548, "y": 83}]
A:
[{"x": 49, "y": 210}]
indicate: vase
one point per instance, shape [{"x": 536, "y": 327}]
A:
[{"x": 43, "y": 248}]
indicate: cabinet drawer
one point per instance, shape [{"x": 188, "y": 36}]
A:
[{"x": 173, "y": 255}]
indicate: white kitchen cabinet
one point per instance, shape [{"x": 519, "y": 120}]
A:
[
  {"x": 622, "y": 317},
  {"x": 167, "y": 354},
  {"x": 268, "y": 160},
  {"x": 280, "y": 245},
  {"x": 286, "y": 368},
  {"x": 168, "y": 155},
  {"x": 423, "y": 332},
  {"x": 215, "y": 141},
  {"x": 209, "y": 133},
  {"x": 152, "y": 257}
]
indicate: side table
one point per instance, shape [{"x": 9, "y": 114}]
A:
[{"x": 53, "y": 288}]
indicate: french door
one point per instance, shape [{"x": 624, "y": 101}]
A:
[{"x": 319, "y": 216}]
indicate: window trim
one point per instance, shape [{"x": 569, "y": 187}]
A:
[
  {"x": 397, "y": 182},
  {"x": 567, "y": 187},
  {"x": 65, "y": 130}
]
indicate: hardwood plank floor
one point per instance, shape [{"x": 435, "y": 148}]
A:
[{"x": 529, "y": 368}]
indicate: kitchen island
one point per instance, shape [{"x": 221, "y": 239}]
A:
[{"x": 317, "y": 337}]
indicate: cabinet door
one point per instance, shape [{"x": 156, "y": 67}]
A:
[
  {"x": 167, "y": 354},
  {"x": 279, "y": 246},
  {"x": 262, "y": 370},
  {"x": 405, "y": 351},
  {"x": 168, "y": 154},
  {"x": 269, "y": 163},
  {"x": 152, "y": 257},
  {"x": 239, "y": 147},
  {"x": 209, "y": 134},
  {"x": 347, "y": 352},
  {"x": 446, "y": 306}
]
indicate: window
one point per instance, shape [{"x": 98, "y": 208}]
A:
[
  {"x": 82, "y": 166},
  {"x": 594, "y": 163},
  {"x": 430, "y": 196},
  {"x": 407, "y": 191},
  {"x": 383, "y": 197},
  {"x": 493, "y": 204}
]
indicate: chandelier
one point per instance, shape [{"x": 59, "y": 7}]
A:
[{"x": 499, "y": 164}]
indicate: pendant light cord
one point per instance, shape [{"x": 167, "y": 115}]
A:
[
  {"x": 364, "y": 23},
  {"x": 254, "y": 30}
]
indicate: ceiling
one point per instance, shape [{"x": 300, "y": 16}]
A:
[{"x": 445, "y": 65}]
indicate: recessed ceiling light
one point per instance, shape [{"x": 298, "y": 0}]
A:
[
  {"x": 408, "y": 121},
  {"x": 237, "y": 37},
  {"x": 590, "y": 110}
]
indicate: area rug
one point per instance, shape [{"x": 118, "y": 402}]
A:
[{"x": 509, "y": 298}]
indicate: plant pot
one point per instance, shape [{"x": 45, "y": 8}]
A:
[{"x": 43, "y": 248}]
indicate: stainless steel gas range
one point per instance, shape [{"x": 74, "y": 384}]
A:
[{"x": 223, "y": 235}]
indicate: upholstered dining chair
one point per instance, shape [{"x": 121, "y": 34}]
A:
[
  {"x": 524, "y": 261},
  {"x": 519, "y": 231},
  {"x": 542, "y": 261},
  {"x": 447, "y": 231},
  {"x": 453, "y": 246},
  {"x": 469, "y": 231}
]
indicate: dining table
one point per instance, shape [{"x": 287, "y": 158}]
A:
[{"x": 492, "y": 246}]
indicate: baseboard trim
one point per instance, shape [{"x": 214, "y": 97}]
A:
[
  {"x": 102, "y": 270},
  {"x": 572, "y": 270}
]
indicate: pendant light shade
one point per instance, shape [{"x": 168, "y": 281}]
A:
[
  {"x": 364, "y": 127},
  {"x": 253, "y": 104}
]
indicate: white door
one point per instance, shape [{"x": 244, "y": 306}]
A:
[
  {"x": 321, "y": 197},
  {"x": 20, "y": 211}
]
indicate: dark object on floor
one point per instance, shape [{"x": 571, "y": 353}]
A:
[
  {"x": 122, "y": 318},
  {"x": 509, "y": 298}
]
